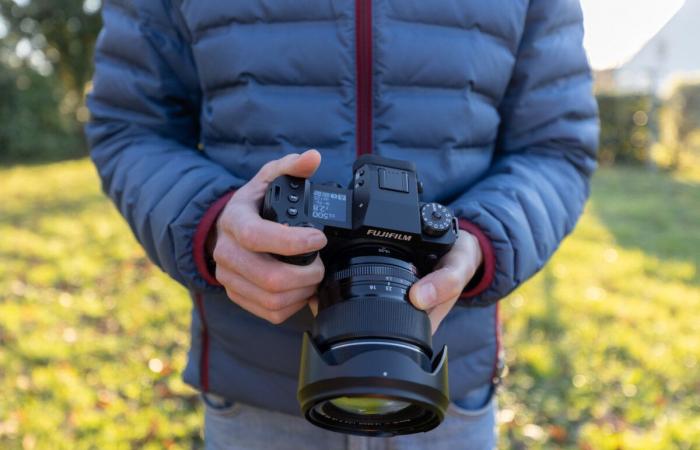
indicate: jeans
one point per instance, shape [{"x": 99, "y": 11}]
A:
[{"x": 470, "y": 424}]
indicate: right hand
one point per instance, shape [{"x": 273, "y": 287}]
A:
[{"x": 253, "y": 279}]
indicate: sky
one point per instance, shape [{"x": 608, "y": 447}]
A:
[{"x": 617, "y": 29}]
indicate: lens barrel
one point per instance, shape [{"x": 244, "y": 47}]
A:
[
  {"x": 368, "y": 368},
  {"x": 367, "y": 298}
]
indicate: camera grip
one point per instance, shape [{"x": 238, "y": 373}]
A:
[{"x": 284, "y": 203}]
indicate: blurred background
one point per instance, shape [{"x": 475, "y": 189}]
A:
[{"x": 603, "y": 346}]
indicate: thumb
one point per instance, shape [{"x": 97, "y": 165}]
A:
[
  {"x": 296, "y": 165},
  {"x": 304, "y": 166},
  {"x": 438, "y": 287}
]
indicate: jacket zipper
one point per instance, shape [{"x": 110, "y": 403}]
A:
[{"x": 363, "y": 42}]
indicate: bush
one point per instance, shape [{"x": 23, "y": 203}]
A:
[
  {"x": 625, "y": 133},
  {"x": 32, "y": 125},
  {"x": 681, "y": 119}
]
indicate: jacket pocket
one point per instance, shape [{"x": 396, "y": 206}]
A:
[
  {"x": 219, "y": 406},
  {"x": 475, "y": 404}
]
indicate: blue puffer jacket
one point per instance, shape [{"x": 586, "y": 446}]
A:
[{"x": 492, "y": 100}]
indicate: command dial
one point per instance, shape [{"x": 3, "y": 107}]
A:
[{"x": 436, "y": 219}]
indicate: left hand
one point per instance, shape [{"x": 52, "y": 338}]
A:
[{"x": 437, "y": 292}]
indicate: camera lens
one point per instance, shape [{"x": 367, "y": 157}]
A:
[
  {"x": 368, "y": 405},
  {"x": 368, "y": 366}
]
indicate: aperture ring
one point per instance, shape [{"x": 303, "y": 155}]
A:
[{"x": 374, "y": 269}]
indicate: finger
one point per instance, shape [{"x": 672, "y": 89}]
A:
[
  {"x": 274, "y": 317},
  {"x": 438, "y": 314},
  {"x": 271, "y": 301},
  {"x": 265, "y": 271},
  {"x": 264, "y": 236},
  {"x": 452, "y": 273},
  {"x": 303, "y": 166},
  {"x": 465, "y": 252},
  {"x": 439, "y": 287}
]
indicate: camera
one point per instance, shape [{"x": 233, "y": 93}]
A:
[{"x": 367, "y": 365}]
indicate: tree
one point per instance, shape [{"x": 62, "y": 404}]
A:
[
  {"x": 59, "y": 32},
  {"x": 45, "y": 64}
]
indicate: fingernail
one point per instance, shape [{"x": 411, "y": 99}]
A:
[
  {"x": 316, "y": 240},
  {"x": 427, "y": 295}
]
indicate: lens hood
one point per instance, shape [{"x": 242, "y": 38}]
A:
[{"x": 375, "y": 370}]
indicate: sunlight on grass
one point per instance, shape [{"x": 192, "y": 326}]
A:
[
  {"x": 602, "y": 345},
  {"x": 81, "y": 315}
]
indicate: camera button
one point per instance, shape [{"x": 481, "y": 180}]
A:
[
  {"x": 293, "y": 198},
  {"x": 436, "y": 219},
  {"x": 294, "y": 184},
  {"x": 292, "y": 212}
]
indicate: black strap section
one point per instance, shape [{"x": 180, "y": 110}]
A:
[{"x": 373, "y": 317}]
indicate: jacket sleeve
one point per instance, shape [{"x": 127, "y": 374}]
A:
[
  {"x": 144, "y": 134},
  {"x": 535, "y": 190}
]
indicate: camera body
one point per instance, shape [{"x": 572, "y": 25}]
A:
[
  {"x": 367, "y": 366},
  {"x": 380, "y": 210}
]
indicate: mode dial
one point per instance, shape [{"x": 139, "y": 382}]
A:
[{"x": 436, "y": 219}]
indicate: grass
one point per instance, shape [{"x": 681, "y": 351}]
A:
[
  {"x": 603, "y": 345},
  {"x": 92, "y": 337}
]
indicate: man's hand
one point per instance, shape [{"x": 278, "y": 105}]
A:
[
  {"x": 253, "y": 279},
  {"x": 437, "y": 292}
]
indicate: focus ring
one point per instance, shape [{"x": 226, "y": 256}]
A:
[
  {"x": 376, "y": 270},
  {"x": 373, "y": 318}
]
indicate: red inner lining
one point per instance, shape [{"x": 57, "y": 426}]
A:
[
  {"x": 206, "y": 223},
  {"x": 204, "y": 358},
  {"x": 497, "y": 325},
  {"x": 489, "y": 261},
  {"x": 363, "y": 42}
]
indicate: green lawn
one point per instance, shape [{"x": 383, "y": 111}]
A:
[{"x": 603, "y": 345}]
